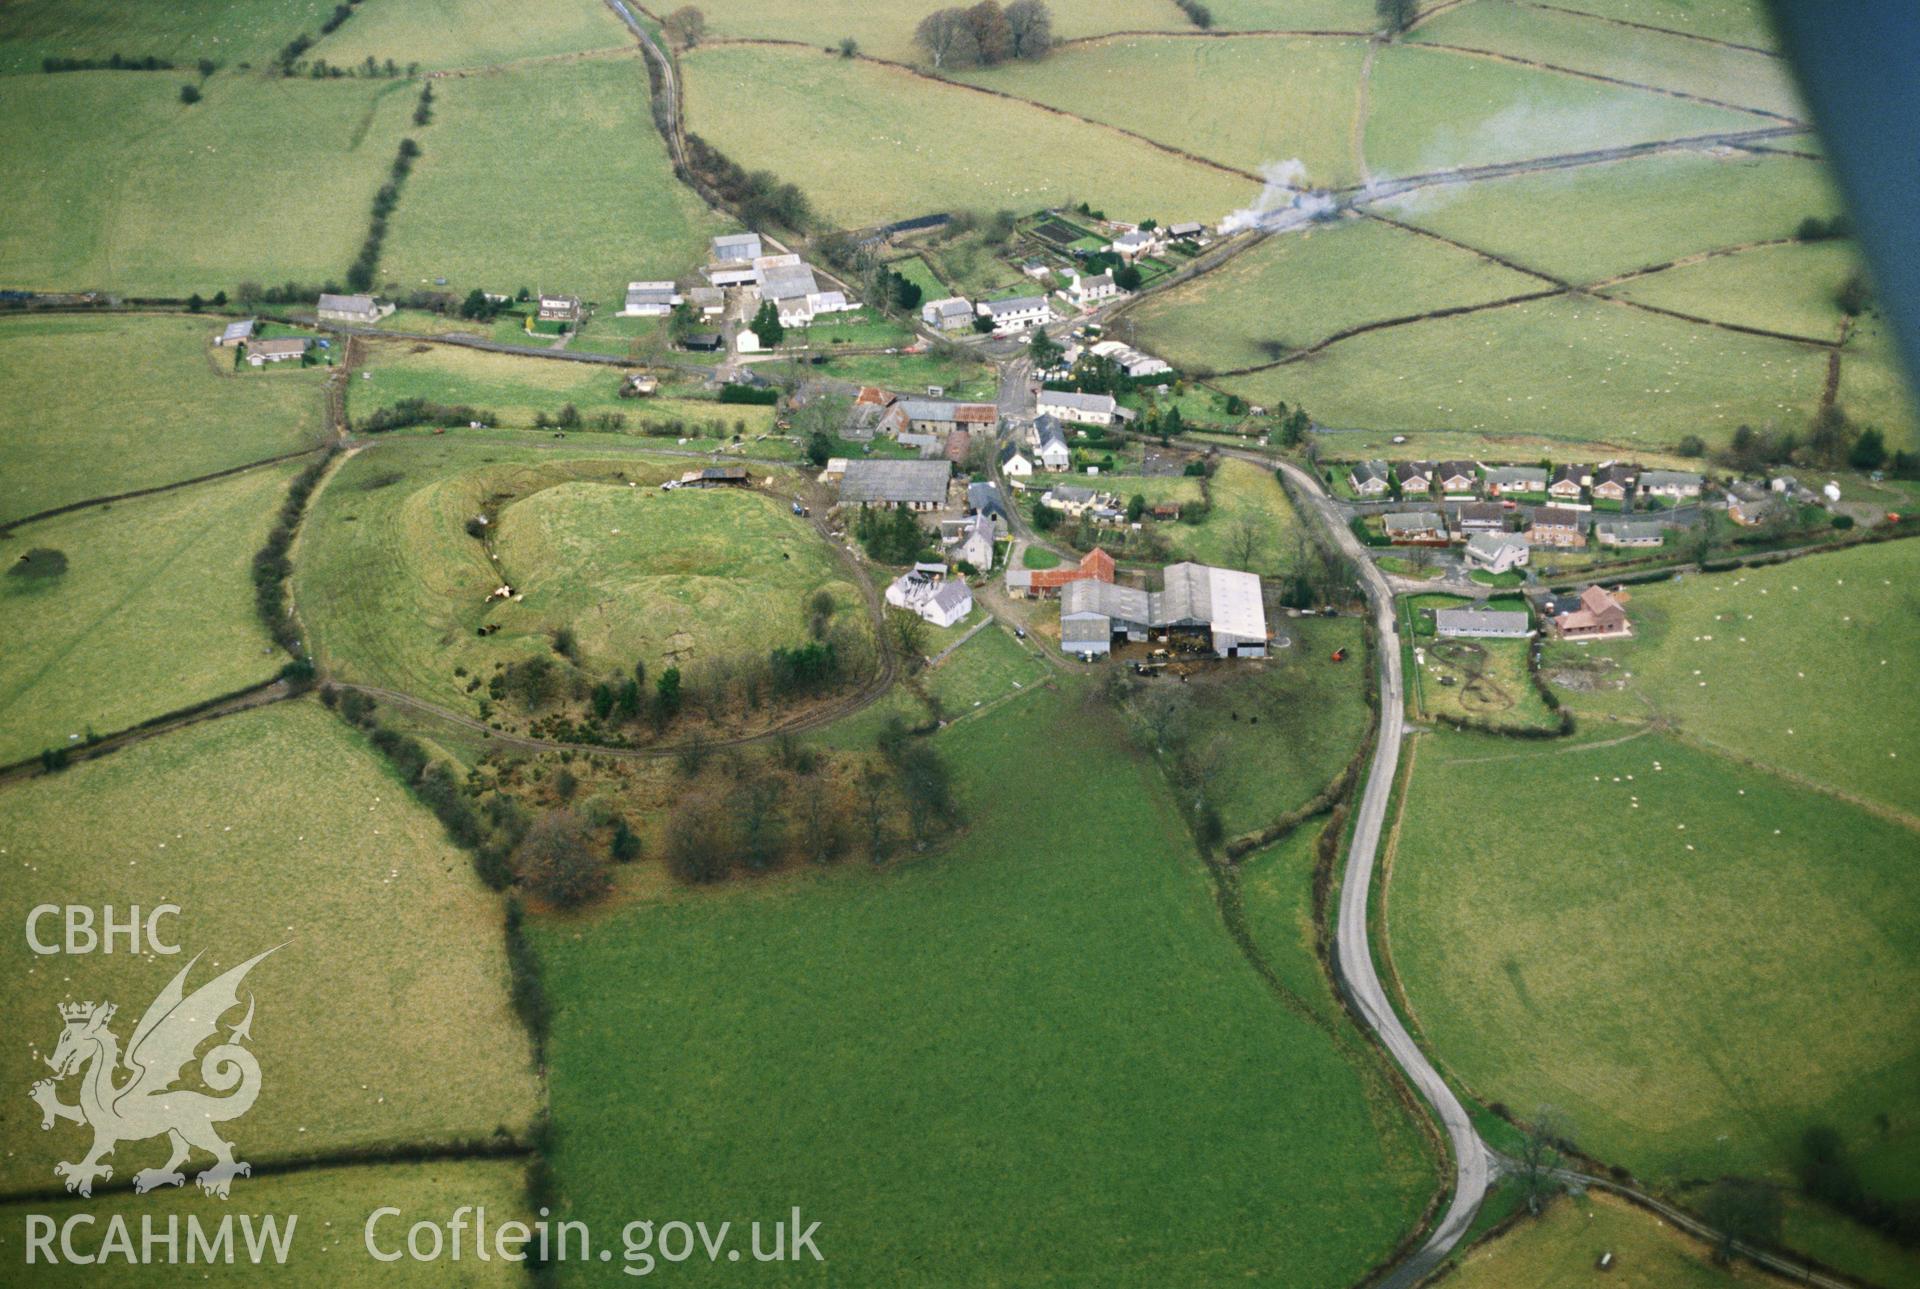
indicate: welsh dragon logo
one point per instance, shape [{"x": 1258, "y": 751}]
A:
[{"x": 147, "y": 1103}]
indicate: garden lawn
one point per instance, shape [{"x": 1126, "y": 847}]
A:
[
  {"x": 1593, "y": 222},
  {"x": 1293, "y": 291},
  {"x": 154, "y": 612},
  {"x": 383, "y": 1017},
  {"x": 981, "y": 1140},
  {"x": 1654, "y": 970},
  {"x": 1193, "y": 94},
  {"x": 181, "y": 32},
  {"x": 885, "y": 29},
  {"x": 116, "y": 184},
  {"x": 155, "y": 406},
  {"x": 1577, "y": 370},
  {"x": 893, "y": 150},
  {"x": 1434, "y": 110},
  {"x": 439, "y": 34},
  {"x": 588, "y": 203},
  {"x": 332, "y": 1206},
  {"x": 1788, "y": 287},
  {"x": 1487, "y": 683},
  {"x": 1558, "y": 1250},
  {"x": 1735, "y": 77},
  {"x": 916, "y": 270},
  {"x": 1799, "y": 666}
]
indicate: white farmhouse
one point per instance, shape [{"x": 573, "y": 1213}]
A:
[{"x": 1081, "y": 409}]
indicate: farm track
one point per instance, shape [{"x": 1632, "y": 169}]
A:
[{"x": 1498, "y": 57}]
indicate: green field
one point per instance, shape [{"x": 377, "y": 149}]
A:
[
  {"x": 1240, "y": 492},
  {"x": 332, "y": 1206},
  {"x": 1576, "y": 370},
  {"x": 1276, "y": 891},
  {"x": 1787, "y": 288},
  {"x": 1434, "y": 110},
  {"x": 155, "y": 406},
  {"x": 588, "y": 204},
  {"x": 1294, "y": 291},
  {"x": 394, "y": 589},
  {"x": 181, "y": 32},
  {"x": 990, "y": 667},
  {"x": 895, "y": 152},
  {"x": 117, "y": 185},
  {"x": 1193, "y": 95},
  {"x": 382, "y": 1021},
  {"x": 1294, "y": 15},
  {"x": 910, "y": 372},
  {"x": 1874, "y": 388},
  {"x": 1651, "y": 963},
  {"x": 1069, "y": 1044},
  {"x": 885, "y": 30},
  {"x": 155, "y": 612},
  {"x": 1742, "y": 22},
  {"x": 1799, "y": 667},
  {"x": 1558, "y": 1250},
  {"x": 472, "y": 33},
  {"x": 1593, "y": 222},
  {"x": 517, "y": 388},
  {"x": 1732, "y": 76}
]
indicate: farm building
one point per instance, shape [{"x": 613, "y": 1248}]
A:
[
  {"x": 1216, "y": 609},
  {"x": 352, "y": 308},
  {"x": 1416, "y": 527},
  {"x": 262, "y": 352},
  {"x": 938, "y": 416},
  {"x": 1497, "y": 552},
  {"x": 959, "y": 443},
  {"x": 1503, "y": 479},
  {"x": 927, "y": 445},
  {"x": 1674, "y": 484},
  {"x": 722, "y": 476},
  {"x": 863, "y": 421},
  {"x": 1413, "y": 476},
  {"x": 1614, "y": 481},
  {"x": 1483, "y": 517},
  {"x": 1556, "y": 526},
  {"x": 985, "y": 499},
  {"x": 1018, "y": 313},
  {"x": 1368, "y": 478},
  {"x": 558, "y": 308},
  {"x": 917, "y": 485},
  {"x": 1628, "y": 532},
  {"x": 795, "y": 293},
  {"x": 237, "y": 333},
  {"x": 1598, "y": 617},
  {"x": 969, "y": 540},
  {"x": 730, "y": 260},
  {"x": 1131, "y": 360},
  {"x": 1458, "y": 478},
  {"x": 649, "y": 300},
  {"x": 950, "y": 314},
  {"x": 705, "y": 342},
  {"x": 1095, "y": 566},
  {"x": 1566, "y": 483},
  {"x": 1084, "y": 291},
  {"x": 928, "y": 592},
  {"x": 707, "y": 301},
  {"x": 1081, "y": 409},
  {"x": 1189, "y": 232},
  {"x": 1480, "y": 622}
]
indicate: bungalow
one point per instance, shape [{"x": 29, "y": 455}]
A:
[
  {"x": 1095, "y": 566},
  {"x": 262, "y": 352},
  {"x": 1628, "y": 532},
  {"x": 1368, "y": 479},
  {"x": 1049, "y": 439},
  {"x": 1752, "y": 511},
  {"x": 1482, "y": 517},
  {"x": 1599, "y": 617},
  {"x": 927, "y": 592},
  {"x": 1497, "y": 553},
  {"x": 917, "y": 485},
  {"x": 950, "y": 314},
  {"x": 352, "y": 308},
  {"x": 1074, "y": 501},
  {"x": 1566, "y": 482},
  {"x": 1480, "y": 622},
  {"x": 1413, "y": 476},
  {"x": 1458, "y": 478},
  {"x": 1131, "y": 360},
  {"x": 1014, "y": 463},
  {"x": 1090, "y": 290},
  {"x": 1415, "y": 528},
  {"x": 1081, "y": 409},
  {"x": 1556, "y": 526},
  {"x": 1017, "y": 314},
  {"x": 558, "y": 308},
  {"x": 1672, "y": 484},
  {"x": 650, "y": 300},
  {"x": 1131, "y": 246},
  {"x": 1504, "y": 479},
  {"x": 1615, "y": 481},
  {"x": 237, "y": 333},
  {"x": 969, "y": 541}
]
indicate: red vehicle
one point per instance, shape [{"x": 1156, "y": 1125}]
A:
[{"x": 1339, "y": 655}]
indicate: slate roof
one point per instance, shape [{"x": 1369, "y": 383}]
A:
[{"x": 913, "y": 482}]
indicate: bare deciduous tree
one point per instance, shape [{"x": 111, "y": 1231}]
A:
[{"x": 948, "y": 37}]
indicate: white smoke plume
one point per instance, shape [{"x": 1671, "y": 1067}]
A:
[{"x": 1285, "y": 201}]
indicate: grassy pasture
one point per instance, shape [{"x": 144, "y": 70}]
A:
[
  {"x": 1294, "y": 290},
  {"x": 993, "y": 968},
  {"x": 276, "y": 825},
  {"x": 1592, "y": 222},
  {"x": 110, "y": 405},
  {"x": 394, "y": 590},
  {"x": 1575, "y": 370},
  {"x": 993, "y": 665},
  {"x": 1276, "y": 891},
  {"x": 1801, "y": 667},
  {"x": 1193, "y": 95},
  {"x": 587, "y": 203},
  {"x": 1293, "y": 15},
  {"x": 1743, "y": 22},
  {"x": 118, "y": 185},
  {"x": 1874, "y": 387},
  {"x": 1558, "y": 1251},
  {"x": 1435, "y": 110},
  {"x": 517, "y": 388},
  {"x": 332, "y": 1206},
  {"x": 886, "y": 30},
  {"x": 910, "y": 372},
  {"x": 1716, "y": 72},
  {"x": 1652, "y": 969},
  {"x": 1239, "y": 490},
  {"x": 904, "y": 145},
  {"x": 154, "y": 612},
  {"x": 227, "y": 31},
  {"x": 440, "y": 34},
  {"x": 1784, "y": 288}
]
